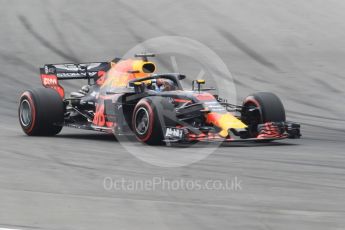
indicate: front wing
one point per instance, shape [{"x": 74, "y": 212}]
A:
[{"x": 185, "y": 134}]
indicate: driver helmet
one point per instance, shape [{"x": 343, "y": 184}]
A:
[{"x": 165, "y": 85}]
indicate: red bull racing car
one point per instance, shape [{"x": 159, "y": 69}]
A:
[{"x": 127, "y": 97}]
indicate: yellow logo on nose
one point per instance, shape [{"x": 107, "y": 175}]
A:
[{"x": 225, "y": 122}]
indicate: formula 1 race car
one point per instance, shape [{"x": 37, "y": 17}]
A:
[{"x": 126, "y": 97}]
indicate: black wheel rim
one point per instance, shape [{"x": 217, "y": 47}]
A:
[
  {"x": 252, "y": 120},
  {"x": 142, "y": 121},
  {"x": 25, "y": 113}
]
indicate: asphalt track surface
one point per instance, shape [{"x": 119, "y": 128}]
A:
[{"x": 294, "y": 48}]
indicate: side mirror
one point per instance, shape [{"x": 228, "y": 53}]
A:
[
  {"x": 199, "y": 83},
  {"x": 139, "y": 87}
]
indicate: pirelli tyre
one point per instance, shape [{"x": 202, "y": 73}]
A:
[
  {"x": 260, "y": 108},
  {"x": 40, "y": 112},
  {"x": 150, "y": 118}
]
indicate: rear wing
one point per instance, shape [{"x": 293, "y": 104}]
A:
[
  {"x": 75, "y": 71},
  {"x": 52, "y": 73}
]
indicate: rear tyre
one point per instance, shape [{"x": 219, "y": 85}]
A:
[
  {"x": 40, "y": 112},
  {"x": 269, "y": 109},
  {"x": 150, "y": 118}
]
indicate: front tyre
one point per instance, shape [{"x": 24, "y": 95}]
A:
[
  {"x": 41, "y": 112},
  {"x": 150, "y": 118},
  {"x": 260, "y": 108}
]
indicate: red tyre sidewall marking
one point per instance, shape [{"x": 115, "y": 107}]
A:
[
  {"x": 151, "y": 120},
  {"x": 252, "y": 100},
  {"x": 33, "y": 110}
]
